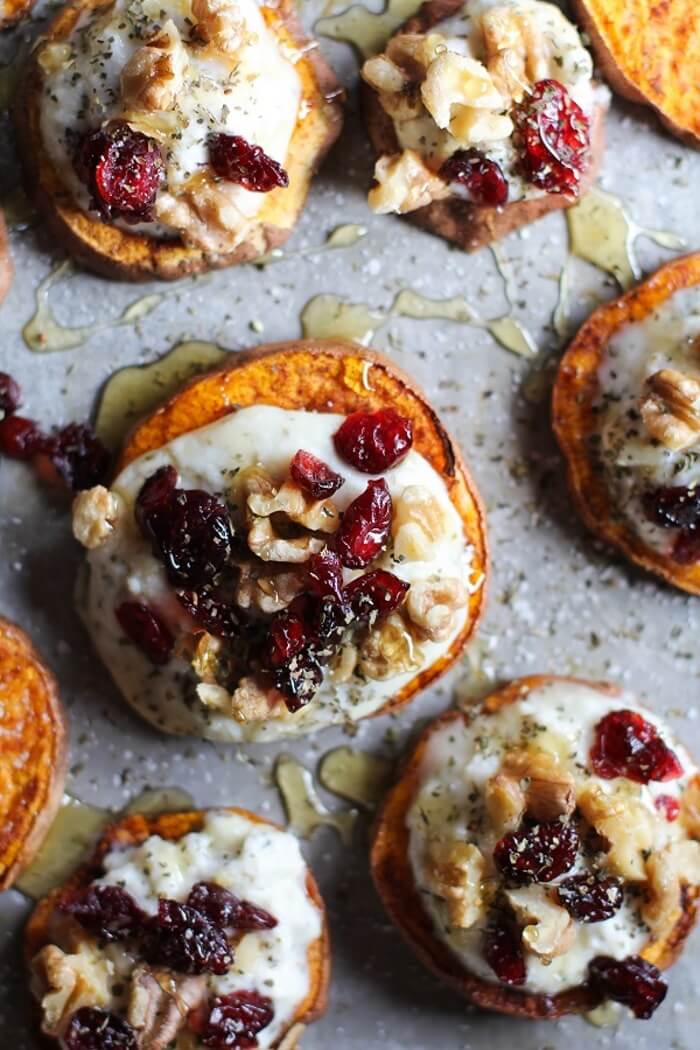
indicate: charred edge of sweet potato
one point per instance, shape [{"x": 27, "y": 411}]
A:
[
  {"x": 330, "y": 376},
  {"x": 393, "y": 879},
  {"x": 575, "y": 421},
  {"x": 34, "y": 787},
  {"x": 112, "y": 252},
  {"x": 471, "y": 226},
  {"x": 6, "y": 268},
  {"x": 135, "y": 829}
]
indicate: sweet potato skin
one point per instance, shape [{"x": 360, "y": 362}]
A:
[
  {"x": 112, "y": 252},
  {"x": 13, "y": 11},
  {"x": 133, "y": 830},
  {"x": 6, "y": 268},
  {"x": 471, "y": 226},
  {"x": 330, "y": 376},
  {"x": 647, "y": 52},
  {"x": 575, "y": 423},
  {"x": 393, "y": 878},
  {"x": 33, "y": 752}
]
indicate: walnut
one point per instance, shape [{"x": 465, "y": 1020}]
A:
[
  {"x": 504, "y": 801},
  {"x": 205, "y": 659},
  {"x": 290, "y": 500},
  {"x": 470, "y": 125},
  {"x": 64, "y": 983},
  {"x": 215, "y": 697},
  {"x": 207, "y": 216},
  {"x": 160, "y": 1002},
  {"x": 417, "y": 524},
  {"x": 458, "y": 80},
  {"x": 397, "y": 95},
  {"x": 549, "y": 929},
  {"x": 668, "y": 870},
  {"x": 432, "y": 607},
  {"x": 627, "y": 825},
  {"x": 155, "y": 73},
  {"x": 264, "y": 541},
  {"x": 455, "y": 871},
  {"x": 549, "y": 788},
  {"x": 96, "y": 514},
  {"x": 690, "y": 808},
  {"x": 219, "y": 23},
  {"x": 254, "y": 702},
  {"x": 403, "y": 183},
  {"x": 413, "y": 52},
  {"x": 389, "y": 650},
  {"x": 504, "y": 46},
  {"x": 670, "y": 408},
  {"x": 343, "y": 664},
  {"x": 266, "y": 589}
]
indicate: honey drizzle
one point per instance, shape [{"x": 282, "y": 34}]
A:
[{"x": 305, "y": 811}]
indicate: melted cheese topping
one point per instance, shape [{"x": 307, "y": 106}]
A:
[
  {"x": 633, "y": 460},
  {"x": 211, "y": 458},
  {"x": 250, "y": 89},
  {"x": 459, "y": 760}
]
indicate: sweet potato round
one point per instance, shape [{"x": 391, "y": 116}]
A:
[
  {"x": 135, "y": 829},
  {"x": 393, "y": 878},
  {"x": 13, "y": 11},
  {"x": 576, "y": 423}
]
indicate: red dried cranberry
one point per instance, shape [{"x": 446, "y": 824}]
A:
[
  {"x": 224, "y": 910},
  {"x": 314, "y": 476},
  {"x": 669, "y": 806},
  {"x": 537, "y": 852},
  {"x": 686, "y": 547},
  {"x": 626, "y": 745},
  {"x": 77, "y": 455},
  {"x": 673, "y": 506},
  {"x": 107, "y": 911},
  {"x": 483, "y": 178},
  {"x": 146, "y": 630},
  {"x": 123, "y": 170},
  {"x": 235, "y": 1020},
  {"x": 375, "y": 594},
  {"x": 237, "y": 160},
  {"x": 364, "y": 530},
  {"x": 552, "y": 136},
  {"x": 10, "y": 394},
  {"x": 216, "y": 617},
  {"x": 325, "y": 575},
  {"x": 634, "y": 982},
  {"x": 287, "y": 634},
  {"x": 591, "y": 897},
  {"x": 20, "y": 438},
  {"x": 183, "y": 940},
  {"x": 155, "y": 494},
  {"x": 330, "y": 619},
  {"x": 93, "y": 1029},
  {"x": 374, "y": 441},
  {"x": 299, "y": 680},
  {"x": 504, "y": 953}
]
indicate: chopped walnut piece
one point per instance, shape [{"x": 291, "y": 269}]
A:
[
  {"x": 455, "y": 871},
  {"x": 549, "y": 929},
  {"x": 95, "y": 516},
  {"x": 670, "y": 408},
  {"x": 264, "y": 541},
  {"x": 413, "y": 52},
  {"x": 343, "y": 664},
  {"x": 255, "y": 702},
  {"x": 206, "y": 213},
  {"x": 418, "y": 523},
  {"x": 389, "y": 650},
  {"x": 504, "y": 800},
  {"x": 502, "y": 31},
  {"x": 160, "y": 1002},
  {"x": 214, "y": 697},
  {"x": 458, "y": 80},
  {"x": 549, "y": 788},
  {"x": 690, "y": 808},
  {"x": 64, "y": 983},
  {"x": 433, "y": 605},
  {"x": 266, "y": 589},
  {"x": 403, "y": 183},
  {"x": 205, "y": 659},
  {"x": 155, "y": 73},
  {"x": 384, "y": 75},
  {"x": 627, "y": 825},
  {"x": 316, "y": 515},
  {"x": 219, "y": 23},
  {"x": 669, "y": 869}
]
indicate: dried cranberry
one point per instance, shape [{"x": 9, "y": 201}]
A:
[
  {"x": 483, "y": 178},
  {"x": 224, "y": 910},
  {"x": 235, "y": 159},
  {"x": 552, "y": 137},
  {"x": 78, "y": 456},
  {"x": 314, "y": 476},
  {"x": 364, "y": 530},
  {"x": 10, "y": 394},
  {"x": 686, "y": 547},
  {"x": 669, "y": 806},
  {"x": 123, "y": 170},
  {"x": 235, "y": 1020},
  {"x": 330, "y": 619},
  {"x": 626, "y": 745},
  {"x": 325, "y": 575},
  {"x": 155, "y": 495},
  {"x": 673, "y": 506},
  {"x": 537, "y": 852},
  {"x": 504, "y": 953},
  {"x": 591, "y": 897},
  {"x": 107, "y": 911},
  {"x": 93, "y": 1029},
  {"x": 300, "y": 679},
  {"x": 217, "y": 617},
  {"x": 20, "y": 438},
  {"x": 374, "y": 441},
  {"x": 183, "y": 940},
  {"x": 146, "y": 630},
  {"x": 287, "y": 634},
  {"x": 634, "y": 982},
  {"x": 375, "y": 594}
]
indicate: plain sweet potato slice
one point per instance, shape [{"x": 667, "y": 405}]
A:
[
  {"x": 471, "y": 226},
  {"x": 6, "y": 268},
  {"x": 109, "y": 250},
  {"x": 32, "y": 751},
  {"x": 393, "y": 878},
  {"x": 576, "y": 423},
  {"x": 331, "y": 376},
  {"x": 648, "y": 51},
  {"x": 131, "y": 831}
]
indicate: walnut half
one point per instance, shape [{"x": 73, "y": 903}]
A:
[
  {"x": 64, "y": 983},
  {"x": 667, "y": 871},
  {"x": 549, "y": 930},
  {"x": 670, "y": 408},
  {"x": 626, "y": 824},
  {"x": 455, "y": 872}
]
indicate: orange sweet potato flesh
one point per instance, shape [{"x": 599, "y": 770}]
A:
[
  {"x": 331, "y": 376},
  {"x": 114, "y": 252},
  {"x": 13, "y": 11},
  {"x": 32, "y": 751},
  {"x": 393, "y": 877},
  {"x": 576, "y": 424},
  {"x": 133, "y": 830},
  {"x": 5, "y": 260},
  {"x": 649, "y": 51}
]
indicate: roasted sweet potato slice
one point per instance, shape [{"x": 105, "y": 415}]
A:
[
  {"x": 13, "y": 11},
  {"x": 576, "y": 424},
  {"x": 393, "y": 877},
  {"x": 648, "y": 52},
  {"x": 6, "y": 268},
  {"x": 114, "y": 252},
  {"x": 131, "y": 831},
  {"x": 32, "y": 751},
  {"x": 471, "y": 226}
]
